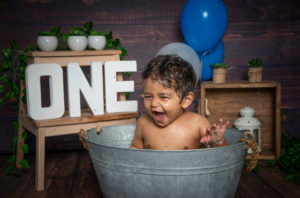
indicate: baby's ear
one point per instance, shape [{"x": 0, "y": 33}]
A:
[{"x": 187, "y": 100}]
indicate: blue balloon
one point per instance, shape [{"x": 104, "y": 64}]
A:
[
  {"x": 215, "y": 56},
  {"x": 203, "y": 23}
]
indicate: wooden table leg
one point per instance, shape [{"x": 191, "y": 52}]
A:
[
  {"x": 40, "y": 160},
  {"x": 20, "y": 153}
]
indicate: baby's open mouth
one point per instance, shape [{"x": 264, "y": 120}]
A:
[{"x": 159, "y": 116}]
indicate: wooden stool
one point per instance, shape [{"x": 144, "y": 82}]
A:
[{"x": 66, "y": 125}]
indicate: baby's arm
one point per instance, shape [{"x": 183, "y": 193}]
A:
[
  {"x": 215, "y": 135},
  {"x": 137, "y": 142}
]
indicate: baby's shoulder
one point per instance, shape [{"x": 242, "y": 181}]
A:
[
  {"x": 194, "y": 116},
  {"x": 144, "y": 120}
]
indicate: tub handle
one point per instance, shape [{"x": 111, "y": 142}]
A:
[
  {"x": 82, "y": 133},
  {"x": 251, "y": 143}
]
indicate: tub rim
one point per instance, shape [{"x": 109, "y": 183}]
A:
[{"x": 169, "y": 151}]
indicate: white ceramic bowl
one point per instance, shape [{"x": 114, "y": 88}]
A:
[
  {"x": 47, "y": 43},
  {"x": 77, "y": 43},
  {"x": 97, "y": 42}
]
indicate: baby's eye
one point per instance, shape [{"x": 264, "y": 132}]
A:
[
  {"x": 164, "y": 97},
  {"x": 147, "y": 97}
]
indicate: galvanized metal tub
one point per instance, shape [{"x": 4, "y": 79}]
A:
[{"x": 141, "y": 173}]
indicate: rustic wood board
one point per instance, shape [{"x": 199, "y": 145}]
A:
[{"x": 81, "y": 180}]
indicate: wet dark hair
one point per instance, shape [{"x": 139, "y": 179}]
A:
[{"x": 173, "y": 72}]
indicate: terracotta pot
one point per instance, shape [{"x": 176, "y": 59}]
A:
[
  {"x": 255, "y": 74},
  {"x": 219, "y": 75}
]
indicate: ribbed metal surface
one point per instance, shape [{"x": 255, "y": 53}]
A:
[{"x": 135, "y": 173}]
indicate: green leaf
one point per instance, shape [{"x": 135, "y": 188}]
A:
[
  {"x": 6, "y": 64},
  {"x": 29, "y": 49},
  {"x": 15, "y": 125},
  {"x": 13, "y": 44},
  {"x": 24, "y": 148},
  {"x": 22, "y": 57},
  {"x": 88, "y": 26},
  {"x": 46, "y": 33},
  {"x": 24, "y": 163},
  {"x": 271, "y": 162},
  {"x": 108, "y": 36},
  {"x": 256, "y": 169},
  {"x": 4, "y": 78},
  {"x": 11, "y": 94},
  {"x": 95, "y": 33},
  {"x": 289, "y": 177},
  {"x": 24, "y": 99},
  {"x": 6, "y": 52},
  {"x": 55, "y": 31},
  {"x": 22, "y": 76},
  {"x": 127, "y": 95},
  {"x": 11, "y": 159},
  {"x": 76, "y": 32},
  {"x": 64, "y": 37},
  {"x": 15, "y": 140},
  {"x": 10, "y": 170},
  {"x": 127, "y": 74},
  {"x": 108, "y": 45},
  {"x": 1, "y": 88},
  {"x": 117, "y": 42},
  {"x": 12, "y": 148},
  {"x": 219, "y": 65},
  {"x": 255, "y": 62},
  {"x": 24, "y": 135},
  {"x": 1, "y": 101}
]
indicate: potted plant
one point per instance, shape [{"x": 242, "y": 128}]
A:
[
  {"x": 48, "y": 40},
  {"x": 219, "y": 74},
  {"x": 76, "y": 39},
  {"x": 96, "y": 40},
  {"x": 255, "y": 70}
]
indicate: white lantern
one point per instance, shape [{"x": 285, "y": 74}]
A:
[{"x": 248, "y": 123}]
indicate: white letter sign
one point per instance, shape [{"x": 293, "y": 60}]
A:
[
  {"x": 93, "y": 94},
  {"x": 78, "y": 83},
  {"x": 34, "y": 72},
  {"x": 112, "y": 86}
]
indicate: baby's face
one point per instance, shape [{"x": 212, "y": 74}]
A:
[{"x": 161, "y": 103}]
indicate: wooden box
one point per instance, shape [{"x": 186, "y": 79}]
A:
[{"x": 225, "y": 100}]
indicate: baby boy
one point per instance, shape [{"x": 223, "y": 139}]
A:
[{"x": 169, "y": 84}]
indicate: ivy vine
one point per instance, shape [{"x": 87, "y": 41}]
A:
[
  {"x": 289, "y": 159},
  {"x": 13, "y": 69}
]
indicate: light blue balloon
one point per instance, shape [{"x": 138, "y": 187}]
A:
[
  {"x": 215, "y": 56},
  {"x": 203, "y": 23},
  {"x": 185, "y": 52}
]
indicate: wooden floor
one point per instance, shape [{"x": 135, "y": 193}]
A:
[{"x": 71, "y": 174}]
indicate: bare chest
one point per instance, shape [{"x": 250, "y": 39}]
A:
[{"x": 171, "y": 138}]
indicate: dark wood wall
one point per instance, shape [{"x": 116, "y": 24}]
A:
[{"x": 268, "y": 29}]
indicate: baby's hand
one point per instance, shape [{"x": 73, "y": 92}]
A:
[{"x": 215, "y": 134}]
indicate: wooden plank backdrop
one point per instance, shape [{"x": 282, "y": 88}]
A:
[{"x": 267, "y": 29}]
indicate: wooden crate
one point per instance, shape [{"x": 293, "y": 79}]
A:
[{"x": 226, "y": 99}]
